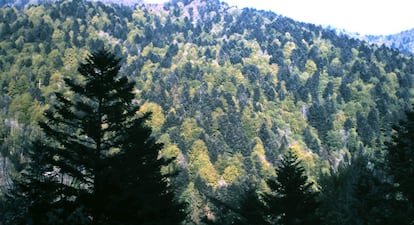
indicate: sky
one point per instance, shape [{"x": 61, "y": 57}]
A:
[{"x": 377, "y": 17}]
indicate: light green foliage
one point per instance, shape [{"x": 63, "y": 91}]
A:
[
  {"x": 288, "y": 48},
  {"x": 157, "y": 115},
  {"x": 334, "y": 141},
  {"x": 250, "y": 125},
  {"x": 230, "y": 167},
  {"x": 190, "y": 131},
  {"x": 171, "y": 152},
  {"x": 308, "y": 159},
  {"x": 259, "y": 160},
  {"x": 310, "y": 67},
  {"x": 199, "y": 164},
  {"x": 20, "y": 109}
]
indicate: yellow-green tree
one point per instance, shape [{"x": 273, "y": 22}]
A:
[{"x": 199, "y": 164}]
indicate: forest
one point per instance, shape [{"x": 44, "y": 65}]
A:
[{"x": 235, "y": 99}]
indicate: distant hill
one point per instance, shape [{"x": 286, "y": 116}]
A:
[
  {"x": 403, "y": 41},
  {"x": 230, "y": 89},
  {"x": 22, "y": 3}
]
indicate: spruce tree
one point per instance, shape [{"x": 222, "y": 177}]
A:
[
  {"x": 97, "y": 162},
  {"x": 292, "y": 199}
]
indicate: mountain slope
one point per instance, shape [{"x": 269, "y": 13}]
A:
[{"x": 230, "y": 89}]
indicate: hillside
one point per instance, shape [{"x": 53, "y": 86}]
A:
[{"x": 230, "y": 89}]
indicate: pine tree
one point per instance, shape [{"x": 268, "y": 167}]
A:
[
  {"x": 292, "y": 199},
  {"x": 97, "y": 162}
]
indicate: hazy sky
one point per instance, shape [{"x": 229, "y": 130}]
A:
[{"x": 362, "y": 16}]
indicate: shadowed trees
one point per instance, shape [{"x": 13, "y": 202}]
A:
[
  {"x": 96, "y": 162},
  {"x": 292, "y": 199},
  {"x": 400, "y": 158}
]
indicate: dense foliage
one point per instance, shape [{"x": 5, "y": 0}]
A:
[
  {"x": 230, "y": 90},
  {"x": 96, "y": 162}
]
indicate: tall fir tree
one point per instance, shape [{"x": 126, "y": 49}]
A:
[
  {"x": 400, "y": 158},
  {"x": 97, "y": 162},
  {"x": 292, "y": 200}
]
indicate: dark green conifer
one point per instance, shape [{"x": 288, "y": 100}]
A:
[
  {"x": 292, "y": 199},
  {"x": 359, "y": 194},
  {"x": 97, "y": 162},
  {"x": 251, "y": 210},
  {"x": 400, "y": 158}
]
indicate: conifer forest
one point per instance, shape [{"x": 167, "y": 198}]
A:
[{"x": 195, "y": 112}]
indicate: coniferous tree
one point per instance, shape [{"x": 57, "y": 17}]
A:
[
  {"x": 251, "y": 210},
  {"x": 292, "y": 199},
  {"x": 400, "y": 157},
  {"x": 358, "y": 194},
  {"x": 243, "y": 207},
  {"x": 97, "y": 162},
  {"x": 375, "y": 202}
]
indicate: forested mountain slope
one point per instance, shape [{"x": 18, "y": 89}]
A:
[{"x": 230, "y": 89}]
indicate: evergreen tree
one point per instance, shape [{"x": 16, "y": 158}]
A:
[
  {"x": 251, "y": 210},
  {"x": 400, "y": 157},
  {"x": 242, "y": 207},
  {"x": 292, "y": 199},
  {"x": 97, "y": 162},
  {"x": 358, "y": 194}
]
